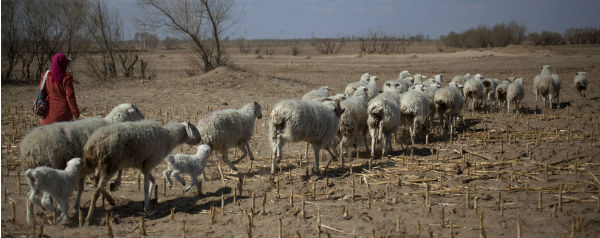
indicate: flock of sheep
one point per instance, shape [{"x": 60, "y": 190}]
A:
[{"x": 60, "y": 156}]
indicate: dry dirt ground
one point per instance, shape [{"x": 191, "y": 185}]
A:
[{"x": 492, "y": 187}]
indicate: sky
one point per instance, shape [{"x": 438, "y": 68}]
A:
[{"x": 263, "y": 19}]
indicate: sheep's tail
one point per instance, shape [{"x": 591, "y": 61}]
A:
[{"x": 380, "y": 130}]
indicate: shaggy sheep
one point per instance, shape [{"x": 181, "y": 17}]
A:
[
  {"x": 142, "y": 145},
  {"x": 473, "y": 90},
  {"x": 448, "y": 103},
  {"x": 543, "y": 85},
  {"x": 429, "y": 92},
  {"x": 515, "y": 93},
  {"x": 580, "y": 82},
  {"x": 556, "y": 91},
  {"x": 316, "y": 94},
  {"x": 296, "y": 120},
  {"x": 351, "y": 87},
  {"x": 418, "y": 79},
  {"x": 403, "y": 74},
  {"x": 414, "y": 109},
  {"x": 52, "y": 145},
  {"x": 190, "y": 164},
  {"x": 384, "y": 118},
  {"x": 229, "y": 127},
  {"x": 52, "y": 183},
  {"x": 353, "y": 123}
]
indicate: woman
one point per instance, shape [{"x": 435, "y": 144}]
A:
[{"x": 62, "y": 105}]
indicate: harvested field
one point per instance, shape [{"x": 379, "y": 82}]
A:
[{"x": 532, "y": 174}]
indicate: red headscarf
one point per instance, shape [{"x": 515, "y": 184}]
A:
[{"x": 59, "y": 67}]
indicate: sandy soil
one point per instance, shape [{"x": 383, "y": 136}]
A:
[{"x": 507, "y": 161}]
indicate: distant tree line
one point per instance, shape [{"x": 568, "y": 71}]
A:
[{"x": 504, "y": 34}]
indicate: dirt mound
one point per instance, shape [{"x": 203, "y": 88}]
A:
[{"x": 225, "y": 77}]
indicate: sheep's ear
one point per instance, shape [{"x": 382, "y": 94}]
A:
[{"x": 255, "y": 103}]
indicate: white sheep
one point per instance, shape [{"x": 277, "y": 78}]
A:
[
  {"x": 414, "y": 109},
  {"x": 52, "y": 145},
  {"x": 580, "y": 82},
  {"x": 384, "y": 118},
  {"x": 473, "y": 90},
  {"x": 321, "y": 92},
  {"x": 190, "y": 164},
  {"x": 543, "y": 85},
  {"x": 403, "y": 74},
  {"x": 437, "y": 79},
  {"x": 351, "y": 87},
  {"x": 556, "y": 91},
  {"x": 297, "y": 120},
  {"x": 52, "y": 183},
  {"x": 372, "y": 87},
  {"x": 515, "y": 93},
  {"x": 353, "y": 122},
  {"x": 142, "y": 145},
  {"x": 229, "y": 127},
  {"x": 429, "y": 92},
  {"x": 449, "y": 102}
]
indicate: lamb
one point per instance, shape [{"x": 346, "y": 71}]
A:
[
  {"x": 353, "y": 122},
  {"x": 473, "y": 90},
  {"x": 316, "y": 94},
  {"x": 226, "y": 128},
  {"x": 448, "y": 103},
  {"x": 543, "y": 85},
  {"x": 580, "y": 82},
  {"x": 384, "y": 118},
  {"x": 414, "y": 109},
  {"x": 515, "y": 93},
  {"x": 191, "y": 164},
  {"x": 142, "y": 145},
  {"x": 53, "y": 183},
  {"x": 52, "y": 145},
  {"x": 296, "y": 120}
]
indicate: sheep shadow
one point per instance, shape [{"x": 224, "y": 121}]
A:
[
  {"x": 186, "y": 204},
  {"x": 561, "y": 105},
  {"x": 530, "y": 111}
]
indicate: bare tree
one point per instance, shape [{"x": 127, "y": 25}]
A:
[
  {"x": 104, "y": 27},
  {"x": 203, "y": 21},
  {"x": 11, "y": 37}
]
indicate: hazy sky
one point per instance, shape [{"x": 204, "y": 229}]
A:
[{"x": 330, "y": 18}]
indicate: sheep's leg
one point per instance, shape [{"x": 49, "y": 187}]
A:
[
  {"x": 316, "y": 149},
  {"x": 242, "y": 148},
  {"x": 330, "y": 159},
  {"x": 114, "y": 185},
  {"x": 224, "y": 157},
  {"x": 99, "y": 189},
  {"x": 198, "y": 183},
  {"x": 167, "y": 176},
  {"x": 175, "y": 175},
  {"x": 365, "y": 139},
  {"x": 47, "y": 203},
  {"x": 341, "y": 148},
  {"x": 276, "y": 155},
  {"x": 372, "y": 132},
  {"x": 248, "y": 150},
  {"x": 192, "y": 183},
  {"x": 63, "y": 205},
  {"x": 508, "y": 106},
  {"x": 413, "y": 132},
  {"x": 33, "y": 199},
  {"x": 80, "y": 183},
  {"x": 148, "y": 189}
]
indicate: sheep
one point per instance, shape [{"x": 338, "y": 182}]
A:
[
  {"x": 543, "y": 85},
  {"x": 316, "y": 94},
  {"x": 448, "y": 103},
  {"x": 384, "y": 118},
  {"x": 501, "y": 91},
  {"x": 515, "y": 93},
  {"x": 353, "y": 123},
  {"x": 351, "y": 87},
  {"x": 340, "y": 97},
  {"x": 52, "y": 145},
  {"x": 226, "y": 128},
  {"x": 556, "y": 91},
  {"x": 390, "y": 86},
  {"x": 429, "y": 92},
  {"x": 418, "y": 79},
  {"x": 372, "y": 87},
  {"x": 437, "y": 79},
  {"x": 489, "y": 89},
  {"x": 580, "y": 82},
  {"x": 52, "y": 183},
  {"x": 142, "y": 145},
  {"x": 414, "y": 109},
  {"x": 473, "y": 90},
  {"x": 403, "y": 74},
  {"x": 294, "y": 120},
  {"x": 191, "y": 164}
]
